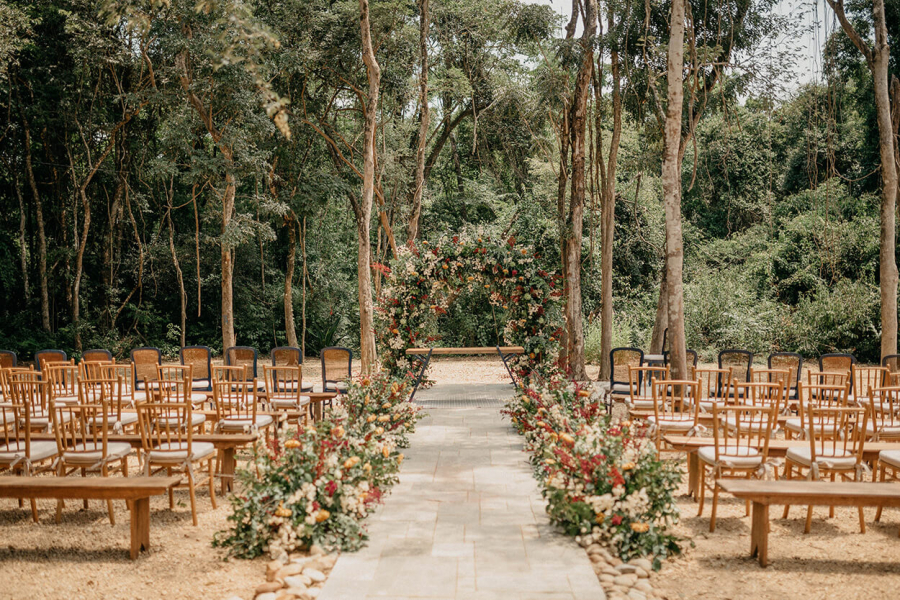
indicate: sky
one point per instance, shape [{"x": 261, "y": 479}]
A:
[{"x": 816, "y": 21}]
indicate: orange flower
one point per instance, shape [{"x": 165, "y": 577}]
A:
[
  {"x": 281, "y": 511},
  {"x": 351, "y": 462},
  {"x": 370, "y": 419},
  {"x": 640, "y": 527},
  {"x": 338, "y": 432},
  {"x": 385, "y": 451},
  {"x": 322, "y": 515},
  {"x": 292, "y": 444},
  {"x": 584, "y": 393},
  {"x": 628, "y": 466},
  {"x": 567, "y": 439}
]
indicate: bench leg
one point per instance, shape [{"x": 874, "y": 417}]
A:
[
  {"x": 693, "y": 475},
  {"x": 227, "y": 470},
  {"x": 421, "y": 375},
  {"x": 140, "y": 526},
  {"x": 759, "y": 534}
]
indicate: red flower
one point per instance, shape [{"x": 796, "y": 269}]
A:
[{"x": 616, "y": 520}]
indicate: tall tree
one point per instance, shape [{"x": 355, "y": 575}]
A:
[
  {"x": 413, "y": 229},
  {"x": 878, "y": 59},
  {"x": 671, "y": 180}
]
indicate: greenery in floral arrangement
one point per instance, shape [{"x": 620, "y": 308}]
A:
[
  {"x": 380, "y": 402},
  {"x": 602, "y": 479},
  {"x": 317, "y": 484},
  {"x": 425, "y": 278}
]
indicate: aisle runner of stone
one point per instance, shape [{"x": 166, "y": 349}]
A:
[{"x": 465, "y": 521}]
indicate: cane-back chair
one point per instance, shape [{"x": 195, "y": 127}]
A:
[
  {"x": 836, "y": 442},
  {"x": 82, "y": 436},
  {"x": 838, "y": 363},
  {"x": 286, "y": 356},
  {"x": 620, "y": 361},
  {"x": 144, "y": 364},
  {"x": 8, "y": 359},
  {"x": 97, "y": 355},
  {"x": 43, "y": 357},
  {"x": 336, "y": 368},
  {"x": 242, "y": 356},
  {"x": 788, "y": 360},
  {"x": 200, "y": 358},
  {"x": 284, "y": 385},
  {"x": 640, "y": 390},
  {"x": 740, "y": 448}
]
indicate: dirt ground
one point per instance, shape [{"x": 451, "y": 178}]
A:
[{"x": 85, "y": 557}]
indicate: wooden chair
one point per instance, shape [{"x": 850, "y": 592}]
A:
[
  {"x": 866, "y": 379},
  {"x": 44, "y": 356},
  {"x": 18, "y": 452},
  {"x": 200, "y": 359},
  {"x": 792, "y": 361},
  {"x": 761, "y": 394},
  {"x": 838, "y": 363},
  {"x": 82, "y": 437},
  {"x": 108, "y": 382},
  {"x": 836, "y": 441},
  {"x": 336, "y": 368},
  {"x": 242, "y": 356},
  {"x": 236, "y": 408},
  {"x": 715, "y": 385},
  {"x": 63, "y": 382},
  {"x": 884, "y": 416},
  {"x": 783, "y": 377},
  {"x": 167, "y": 444},
  {"x": 887, "y": 468},
  {"x": 834, "y": 396},
  {"x": 8, "y": 359},
  {"x": 640, "y": 391},
  {"x": 691, "y": 359},
  {"x": 739, "y": 361},
  {"x": 144, "y": 364},
  {"x": 284, "y": 389},
  {"x": 620, "y": 359},
  {"x": 286, "y": 356},
  {"x": 176, "y": 385},
  {"x": 892, "y": 363},
  {"x": 97, "y": 355},
  {"x": 740, "y": 448},
  {"x": 672, "y": 412}
]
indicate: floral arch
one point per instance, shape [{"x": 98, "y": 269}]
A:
[{"x": 426, "y": 278}]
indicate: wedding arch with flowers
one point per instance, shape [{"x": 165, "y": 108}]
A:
[{"x": 426, "y": 278}]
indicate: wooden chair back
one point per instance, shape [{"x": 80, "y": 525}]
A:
[
  {"x": 8, "y": 359},
  {"x": 760, "y": 393},
  {"x": 714, "y": 384},
  {"x": 739, "y": 361},
  {"x": 826, "y": 396},
  {"x": 27, "y": 397},
  {"x": 200, "y": 359},
  {"x": 174, "y": 383},
  {"x": 884, "y": 413},
  {"x": 782, "y": 377},
  {"x": 242, "y": 356},
  {"x": 788, "y": 360},
  {"x": 828, "y": 378},
  {"x": 144, "y": 363},
  {"x": 164, "y": 422},
  {"x": 741, "y": 430},
  {"x": 640, "y": 381},
  {"x": 235, "y": 401},
  {"x": 836, "y": 431},
  {"x": 866, "y": 379},
  {"x": 97, "y": 355},
  {"x": 62, "y": 379},
  {"x": 83, "y": 428},
  {"x": 42, "y": 357},
  {"x": 286, "y": 356},
  {"x": 838, "y": 363},
  {"x": 283, "y": 383},
  {"x": 107, "y": 388},
  {"x": 673, "y": 398},
  {"x": 892, "y": 362},
  {"x": 227, "y": 373},
  {"x": 336, "y": 366},
  {"x": 620, "y": 361}
]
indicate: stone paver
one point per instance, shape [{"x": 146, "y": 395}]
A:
[{"x": 466, "y": 519}]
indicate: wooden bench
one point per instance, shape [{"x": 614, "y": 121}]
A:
[
  {"x": 505, "y": 352},
  {"x": 777, "y": 449},
  {"x": 810, "y": 493},
  {"x": 136, "y": 491}
]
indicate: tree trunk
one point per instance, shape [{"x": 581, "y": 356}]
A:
[
  {"x": 305, "y": 279},
  {"x": 575, "y": 221},
  {"x": 182, "y": 294},
  {"x": 423, "y": 124},
  {"x": 878, "y": 58},
  {"x": 671, "y": 180},
  {"x": 608, "y": 209},
  {"x": 23, "y": 246},
  {"x": 228, "y": 338},
  {"x": 363, "y": 208},
  {"x": 289, "y": 329},
  {"x": 662, "y": 315},
  {"x": 42, "y": 237}
]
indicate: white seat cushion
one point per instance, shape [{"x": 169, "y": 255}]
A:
[
  {"x": 288, "y": 404},
  {"x": 198, "y": 398},
  {"x": 886, "y": 431},
  {"x": 674, "y": 423},
  {"x": 739, "y": 457},
  {"x": 176, "y": 452},
  {"x": 9, "y": 453},
  {"x": 202, "y": 384},
  {"x": 128, "y": 418},
  {"x": 794, "y": 424},
  {"x": 66, "y": 400},
  {"x": 241, "y": 425},
  {"x": 620, "y": 388},
  {"x": 91, "y": 453},
  {"x": 654, "y": 358},
  {"x": 841, "y": 460},
  {"x": 891, "y": 457},
  {"x": 640, "y": 404},
  {"x": 196, "y": 419}
]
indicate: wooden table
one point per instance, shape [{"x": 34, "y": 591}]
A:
[
  {"x": 777, "y": 449},
  {"x": 809, "y": 493},
  {"x": 136, "y": 492},
  {"x": 226, "y": 443},
  {"x": 505, "y": 352},
  {"x": 316, "y": 400}
]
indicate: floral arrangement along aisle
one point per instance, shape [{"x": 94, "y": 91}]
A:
[
  {"x": 425, "y": 278},
  {"x": 316, "y": 485},
  {"x": 603, "y": 480}
]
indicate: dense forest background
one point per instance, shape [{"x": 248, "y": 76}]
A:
[{"x": 126, "y": 127}]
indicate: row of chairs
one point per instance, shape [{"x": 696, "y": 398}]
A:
[
  {"x": 836, "y": 426},
  {"x": 166, "y": 418},
  {"x": 336, "y": 363}
]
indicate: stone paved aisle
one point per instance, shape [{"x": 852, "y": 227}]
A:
[{"x": 465, "y": 521}]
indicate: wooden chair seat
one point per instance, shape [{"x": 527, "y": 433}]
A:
[
  {"x": 752, "y": 426},
  {"x": 674, "y": 422},
  {"x": 289, "y": 404},
  {"x": 90, "y": 453},
  {"x": 197, "y": 419},
  {"x": 737, "y": 457},
  {"x": 176, "y": 452},
  {"x": 840, "y": 460},
  {"x": 891, "y": 457},
  {"x": 241, "y": 425},
  {"x": 875, "y": 430},
  {"x": 116, "y": 425},
  {"x": 15, "y": 451}
]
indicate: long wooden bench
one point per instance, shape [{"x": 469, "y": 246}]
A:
[
  {"x": 424, "y": 356},
  {"x": 136, "y": 491},
  {"x": 809, "y": 493},
  {"x": 777, "y": 449}
]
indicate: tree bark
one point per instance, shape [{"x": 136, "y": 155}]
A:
[
  {"x": 671, "y": 180},
  {"x": 413, "y": 229},
  {"x": 878, "y": 58},
  {"x": 608, "y": 206},
  {"x": 575, "y": 221},
  {"x": 363, "y": 208},
  {"x": 228, "y": 337},
  {"x": 305, "y": 279},
  {"x": 182, "y": 294},
  {"x": 23, "y": 246},
  {"x": 289, "y": 329},
  {"x": 662, "y": 315},
  {"x": 39, "y": 217}
]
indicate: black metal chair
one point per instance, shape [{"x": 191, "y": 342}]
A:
[
  {"x": 242, "y": 356},
  {"x": 619, "y": 361},
  {"x": 45, "y": 356},
  {"x": 96, "y": 355},
  {"x": 739, "y": 361},
  {"x": 336, "y": 368},
  {"x": 788, "y": 360},
  {"x": 286, "y": 356},
  {"x": 200, "y": 358},
  {"x": 8, "y": 359},
  {"x": 145, "y": 360},
  {"x": 838, "y": 362}
]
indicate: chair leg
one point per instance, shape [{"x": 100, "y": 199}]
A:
[
  {"x": 882, "y": 470},
  {"x": 104, "y": 471},
  {"x": 84, "y": 474},
  {"x": 190, "y": 476},
  {"x": 212, "y": 482},
  {"x": 702, "y": 488},
  {"x": 715, "y": 505},
  {"x": 34, "y": 512},
  {"x": 831, "y": 508},
  {"x": 171, "y": 491},
  {"x": 809, "y": 513},
  {"x": 788, "y": 475}
]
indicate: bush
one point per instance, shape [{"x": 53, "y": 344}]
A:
[{"x": 603, "y": 480}]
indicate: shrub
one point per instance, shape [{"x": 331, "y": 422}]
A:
[{"x": 603, "y": 480}]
